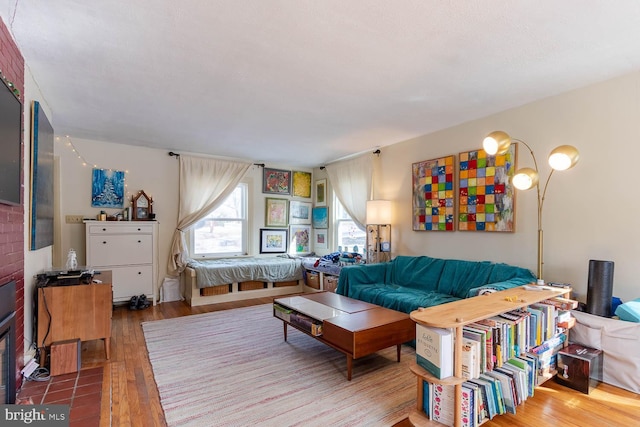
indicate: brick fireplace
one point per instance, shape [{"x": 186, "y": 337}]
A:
[{"x": 12, "y": 217}]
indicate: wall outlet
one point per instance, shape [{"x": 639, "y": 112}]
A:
[{"x": 74, "y": 219}]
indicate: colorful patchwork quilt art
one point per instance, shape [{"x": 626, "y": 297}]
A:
[
  {"x": 433, "y": 194},
  {"x": 486, "y": 195}
]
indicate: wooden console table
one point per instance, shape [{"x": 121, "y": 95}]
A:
[{"x": 76, "y": 311}]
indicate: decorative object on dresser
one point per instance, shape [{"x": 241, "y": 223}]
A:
[
  {"x": 561, "y": 158},
  {"x": 378, "y": 231},
  {"x": 142, "y": 206},
  {"x": 130, "y": 251}
]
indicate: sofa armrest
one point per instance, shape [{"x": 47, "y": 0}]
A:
[
  {"x": 498, "y": 286},
  {"x": 360, "y": 274}
]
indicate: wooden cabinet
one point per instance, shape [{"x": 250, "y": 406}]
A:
[
  {"x": 456, "y": 315},
  {"x": 75, "y": 312},
  {"x": 130, "y": 250}
]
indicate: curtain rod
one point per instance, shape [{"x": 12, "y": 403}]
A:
[
  {"x": 377, "y": 153},
  {"x": 176, "y": 155}
]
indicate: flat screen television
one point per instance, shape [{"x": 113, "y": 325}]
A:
[{"x": 10, "y": 146}]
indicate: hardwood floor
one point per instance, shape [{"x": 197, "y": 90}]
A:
[{"x": 135, "y": 400}]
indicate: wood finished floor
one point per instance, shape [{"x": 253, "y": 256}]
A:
[{"x": 135, "y": 400}]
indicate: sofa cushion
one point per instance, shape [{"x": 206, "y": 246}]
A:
[
  {"x": 459, "y": 276},
  {"x": 397, "y": 297},
  {"x": 419, "y": 272}
]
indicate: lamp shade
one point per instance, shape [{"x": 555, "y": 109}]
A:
[
  {"x": 525, "y": 179},
  {"x": 378, "y": 212},
  {"x": 563, "y": 157},
  {"x": 497, "y": 142}
]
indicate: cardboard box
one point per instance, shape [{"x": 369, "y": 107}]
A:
[{"x": 579, "y": 367}]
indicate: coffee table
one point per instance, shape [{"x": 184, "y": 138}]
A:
[{"x": 355, "y": 328}]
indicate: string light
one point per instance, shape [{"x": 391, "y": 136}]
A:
[{"x": 70, "y": 145}]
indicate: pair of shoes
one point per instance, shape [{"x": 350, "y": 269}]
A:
[
  {"x": 133, "y": 303},
  {"x": 143, "y": 302}
]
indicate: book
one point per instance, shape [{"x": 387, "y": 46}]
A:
[
  {"x": 480, "y": 336},
  {"x": 508, "y": 390},
  {"x": 470, "y": 358},
  {"x": 469, "y": 404},
  {"x": 496, "y": 390},
  {"x": 561, "y": 303},
  {"x": 426, "y": 398},
  {"x": 434, "y": 350},
  {"x": 488, "y": 397},
  {"x": 443, "y": 402}
]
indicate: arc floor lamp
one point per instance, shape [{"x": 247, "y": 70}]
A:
[{"x": 561, "y": 158}]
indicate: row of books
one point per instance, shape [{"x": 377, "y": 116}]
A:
[
  {"x": 491, "y": 342},
  {"x": 313, "y": 326},
  {"x": 493, "y": 393}
]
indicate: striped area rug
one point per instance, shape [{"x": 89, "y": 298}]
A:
[{"x": 233, "y": 368}]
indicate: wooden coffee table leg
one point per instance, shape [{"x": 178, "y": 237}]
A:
[
  {"x": 285, "y": 330},
  {"x": 349, "y": 366},
  {"x": 398, "y": 347}
]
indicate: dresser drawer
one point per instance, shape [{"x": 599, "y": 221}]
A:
[
  {"x": 128, "y": 228},
  {"x": 128, "y": 249},
  {"x": 129, "y": 281}
]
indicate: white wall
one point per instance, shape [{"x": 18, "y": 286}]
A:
[{"x": 589, "y": 211}]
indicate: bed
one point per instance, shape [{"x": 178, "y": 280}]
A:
[{"x": 237, "y": 278}]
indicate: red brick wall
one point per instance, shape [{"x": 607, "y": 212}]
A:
[{"x": 12, "y": 217}]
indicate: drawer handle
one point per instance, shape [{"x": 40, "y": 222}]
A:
[
  {"x": 104, "y": 243},
  {"x": 104, "y": 229},
  {"x": 139, "y": 241},
  {"x": 139, "y": 229},
  {"x": 139, "y": 272}
]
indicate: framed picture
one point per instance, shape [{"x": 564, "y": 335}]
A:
[
  {"x": 273, "y": 241},
  {"x": 42, "y": 201},
  {"x": 107, "y": 189},
  {"x": 320, "y": 217},
  {"x": 486, "y": 195},
  {"x": 433, "y": 194},
  {"x": 276, "y": 212},
  {"x": 302, "y": 184},
  {"x": 276, "y": 181},
  {"x": 300, "y": 239},
  {"x": 299, "y": 212},
  {"x": 321, "y": 192},
  {"x": 320, "y": 239}
]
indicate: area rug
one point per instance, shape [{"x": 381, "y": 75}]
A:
[{"x": 233, "y": 368}]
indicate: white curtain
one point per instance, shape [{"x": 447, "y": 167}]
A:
[
  {"x": 204, "y": 184},
  {"x": 351, "y": 181}
]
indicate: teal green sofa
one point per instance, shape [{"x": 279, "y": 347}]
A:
[{"x": 407, "y": 283}]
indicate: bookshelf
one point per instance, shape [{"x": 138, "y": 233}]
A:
[{"x": 456, "y": 315}]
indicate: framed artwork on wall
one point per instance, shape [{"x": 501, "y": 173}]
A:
[
  {"x": 276, "y": 212},
  {"x": 107, "y": 189},
  {"x": 41, "y": 218},
  {"x": 302, "y": 184},
  {"x": 433, "y": 194},
  {"x": 321, "y": 192},
  {"x": 276, "y": 181},
  {"x": 320, "y": 239},
  {"x": 486, "y": 195},
  {"x": 300, "y": 239},
  {"x": 273, "y": 241},
  {"x": 299, "y": 212},
  {"x": 320, "y": 217}
]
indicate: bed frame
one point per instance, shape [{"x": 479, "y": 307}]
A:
[{"x": 236, "y": 291}]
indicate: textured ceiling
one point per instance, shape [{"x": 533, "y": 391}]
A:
[{"x": 305, "y": 82}]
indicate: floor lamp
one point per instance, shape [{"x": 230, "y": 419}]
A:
[
  {"x": 378, "y": 231},
  {"x": 561, "y": 158}
]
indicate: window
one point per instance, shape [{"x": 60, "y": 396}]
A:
[
  {"x": 348, "y": 235},
  {"x": 224, "y": 231}
]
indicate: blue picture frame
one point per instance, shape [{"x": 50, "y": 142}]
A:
[
  {"x": 107, "y": 189},
  {"x": 320, "y": 217}
]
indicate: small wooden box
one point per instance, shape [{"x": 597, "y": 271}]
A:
[
  {"x": 251, "y": 285},
  {"x": 65, "y": 357},
  {"x": 215, "y": 290},
  {"x": 313, "y": 279},
  {"x": 330, "y": 283},
  {"x": 579, "y": 367}
]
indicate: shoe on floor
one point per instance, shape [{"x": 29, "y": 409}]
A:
[
  {"x": 133, "y": 303},
  {"x": 143, "y": 302}
]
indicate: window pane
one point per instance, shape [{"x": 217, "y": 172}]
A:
[
  {"x": 349, "y": 236},
  {"x": 223, "y": 231}
]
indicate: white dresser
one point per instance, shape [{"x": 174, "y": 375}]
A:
[{"x": 130, "y": 250}]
